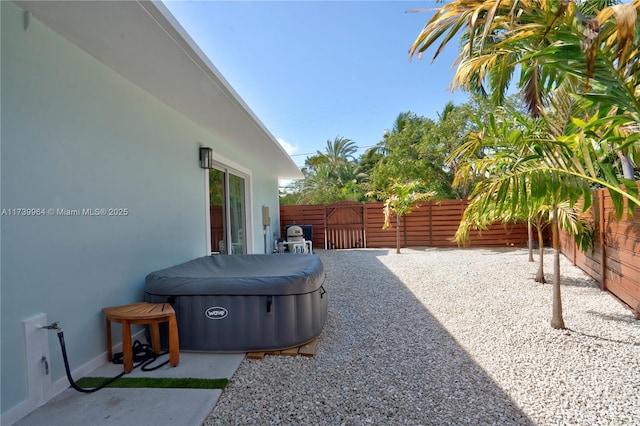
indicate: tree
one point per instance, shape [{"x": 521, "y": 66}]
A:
[
  {"x": 508, "y": 140},
  {"x": 549, "y": 41},
  {"x": 319, "y": 185},
  {"x": 370, "y": 159},
  {"x": 338, "y": 152},
  {"x": 451, "y": 128},
  {"x": 544, "y": 40},
  {"x": 330, "y": 176},
  {"x": 498, "y": 38},
  {"x": 411, "y": 151},
  {"x": 401, "y": 199},
  {"x": 516, "y": 186},
  {"x": 607, "y": 64}
]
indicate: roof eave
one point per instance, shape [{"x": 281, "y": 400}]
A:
[{"x": 142, "y": 41}]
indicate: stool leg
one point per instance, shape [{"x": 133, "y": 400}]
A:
[
  {"x": 109, "y": 347},
  {"x": 127, "y": 348},
  {"x": 174, "y": 344},
  {"x": 155, "y": 336}
]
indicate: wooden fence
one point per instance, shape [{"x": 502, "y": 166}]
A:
[
  {"x": 216, "y": 227},
  {"x": 348, "y": 224},
  {"x": 614, "y": 260}
]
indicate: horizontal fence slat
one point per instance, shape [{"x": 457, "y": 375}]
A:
[{"x": 614, "y": 260}]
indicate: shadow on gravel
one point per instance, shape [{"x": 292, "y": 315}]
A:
[
  {"x": 603, "y": 339},
  {"x": 618, "y": 318},
  {"x": 574, "y": 282},
  {"x": 392, "y": 362}
]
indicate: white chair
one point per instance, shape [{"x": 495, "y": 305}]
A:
[{"x": 299, "y": 248}]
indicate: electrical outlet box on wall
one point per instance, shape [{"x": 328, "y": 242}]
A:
[{"x": 38, "y": 359}]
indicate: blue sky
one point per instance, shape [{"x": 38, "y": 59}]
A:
[{"x": 314, "y": 70}]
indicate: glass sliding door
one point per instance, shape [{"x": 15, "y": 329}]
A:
[{"x": 227, "y": 212}]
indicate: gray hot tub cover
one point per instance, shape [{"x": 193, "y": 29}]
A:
[{"x": 251, "y": 274}]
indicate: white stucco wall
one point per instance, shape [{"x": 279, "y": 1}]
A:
[
  {"x": 265, "y": 192},
  {"x": 76, "y": 135}
]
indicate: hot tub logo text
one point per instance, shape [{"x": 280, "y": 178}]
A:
[{"x": 216, "y": 313}]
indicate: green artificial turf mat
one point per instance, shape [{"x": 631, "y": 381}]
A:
[{"x": 150, "y": 382}]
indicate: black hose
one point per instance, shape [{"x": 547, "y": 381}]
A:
[
  {"x": 66, "y": 368},
  {"x": 144, "y": 355},
  {"x": 148, "y": 357}
]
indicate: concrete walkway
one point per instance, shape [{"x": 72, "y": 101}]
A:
[{"x": 118, "y": 406}]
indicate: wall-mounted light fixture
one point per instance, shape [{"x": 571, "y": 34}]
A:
[{"x": 206, "y": 158}]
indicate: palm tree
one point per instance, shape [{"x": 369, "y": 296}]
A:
[
  {"x": 604, "y": 58},
  {"x": 515, "y": 187},
  {"x": 401, "y": 199},
  {"x": 549, "y": 41},
  {"x": 545, "y": 39},
  {"x": 332, "y": 175},
  {"x": 339, "y": 151},
  {"x": 498, "y": 37},
  {"x": 370, "y": 158},
  {"x": 449, "y": 107}
]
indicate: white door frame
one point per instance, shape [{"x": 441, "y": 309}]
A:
[{"x": 228, "y": 166}]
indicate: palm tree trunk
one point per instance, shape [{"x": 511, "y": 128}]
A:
[
  {"x": 397, "y": 234},
  {"x": 627, "y": 166},
  {"x": 540, "y": 274},
  {"x": 556, "y": 320}
]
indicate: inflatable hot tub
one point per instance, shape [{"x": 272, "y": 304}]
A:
[{"x": 243, "y": 303}]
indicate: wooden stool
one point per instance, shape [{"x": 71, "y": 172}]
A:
[{"x": 143, "y": 313}]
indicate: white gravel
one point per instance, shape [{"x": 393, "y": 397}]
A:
[{"x": 449, "y": 336}]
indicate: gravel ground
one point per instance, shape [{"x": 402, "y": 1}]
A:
[{"x": 449, "y": 336}]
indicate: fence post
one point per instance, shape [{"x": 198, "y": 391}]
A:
[
  {"x": 364, "y": 225},
  {"x": 575, "y": 251},
  {"x": 324, "y": 222},
  {"x": 603, "y": 246},
  {"x": 430, "y": 223},
  {"x": 403, "y": 224}
]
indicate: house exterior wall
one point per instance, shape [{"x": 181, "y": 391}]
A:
[
  {"x": 77, "y": 137},
  {"x": 265, "y": 188}
]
